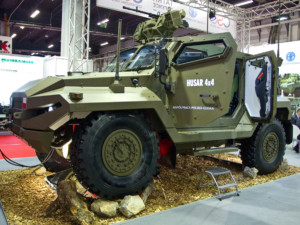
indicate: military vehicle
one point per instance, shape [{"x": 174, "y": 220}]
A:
[
  {"x": 198, "y": 93},
  {"x": 290, "y": 84}
]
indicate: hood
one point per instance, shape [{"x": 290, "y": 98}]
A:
[{"x": 103, "y": 79}]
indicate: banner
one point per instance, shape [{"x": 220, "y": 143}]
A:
[
  {"x": 5, "y": 45},
  {"x": 17, "y": 70},
  {"x": 196, "y": 18},
  {"x": 288, "y": 51}
]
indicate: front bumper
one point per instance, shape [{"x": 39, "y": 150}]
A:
[{"x": 39, "y": 140}]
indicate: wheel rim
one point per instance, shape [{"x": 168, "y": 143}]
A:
[
  {"x": 122, "y": 152},
  {"x": 270, "y": 147}
]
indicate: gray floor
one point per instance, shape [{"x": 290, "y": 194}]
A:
[
  {"x": 3, "y": 220},
  {"x": 30, "y": 161},
  {"x": 276, "y": 202}
]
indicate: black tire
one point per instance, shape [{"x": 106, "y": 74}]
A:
[
  {"x": 56, "y": 163},
  {"x": 114, "y": 155},
  {"x": 265, "y": 149},
  {"x": 297, "y": 92}
]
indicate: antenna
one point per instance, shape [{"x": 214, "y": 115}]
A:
[
  {"x": 278, "y": 30},
  {"x": 117, "y": 76}
]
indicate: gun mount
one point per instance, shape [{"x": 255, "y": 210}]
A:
[{"x": 160, "y": 26}]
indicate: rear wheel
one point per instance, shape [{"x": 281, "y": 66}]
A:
[
  {"x": 115, "y": 154},
  {"x": 265, "y": 149}
]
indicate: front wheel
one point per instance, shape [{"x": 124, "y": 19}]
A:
[
  {"x": 265, "y": 149},
  {"x": 114, "y": 154}
]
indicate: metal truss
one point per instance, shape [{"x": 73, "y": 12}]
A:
[
  {"x": 271, "y": 9},
  {"x": 79, "y": 28},
  {"x": 244, "y": 17},
  {"x": 222, "y": 8}
]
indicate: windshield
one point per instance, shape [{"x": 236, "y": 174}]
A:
[
  {"x": 124, "y": 57},
  {"x": 145, "y": 57}
]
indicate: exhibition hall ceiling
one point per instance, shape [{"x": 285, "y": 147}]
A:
[{"x": 42, "y": 34}]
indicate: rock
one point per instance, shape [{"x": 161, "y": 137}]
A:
[
  {"x": 284, "y": 165},
  {"x": 131, "y": 205},
  {"x": 105, "y": 208},
  {"x": 40, "y": 171},
  {"x": 69, "y": 200},
  {"x": 146, "y": 193},
  {"x": 250, "y": 172},
  {"x": 84, "y": 216},
  {"x": 68, "y": 197}
]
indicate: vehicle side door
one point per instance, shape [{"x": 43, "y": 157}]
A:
[{"x": 201, "y": 76}]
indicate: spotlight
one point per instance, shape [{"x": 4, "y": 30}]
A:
[{"x": 212, "y": 14}]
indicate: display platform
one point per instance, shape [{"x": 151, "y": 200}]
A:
[{"x": 26, "y": 196}]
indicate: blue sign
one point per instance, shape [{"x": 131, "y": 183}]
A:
[
  {"x": 138, "y": 1},
  {"x": 290, "y": 56},
  {"x": 192, "y": 12}
]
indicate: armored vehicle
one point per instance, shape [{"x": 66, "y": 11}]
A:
[
  {"x": 195, "y": 95},
  {"x": 290, "y": 84}
]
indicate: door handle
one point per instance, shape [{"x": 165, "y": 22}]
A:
[{"x": 211, "y": 100}]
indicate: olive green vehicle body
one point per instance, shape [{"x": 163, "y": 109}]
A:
[
  {"x": 174, "y": 112},
  {"x": 291, "y": 85}
]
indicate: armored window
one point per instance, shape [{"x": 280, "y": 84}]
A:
[
  {"x": 124, "y": 57},
  {"x": 145, "y": 57},
  {"x": 197, "y": 51}
]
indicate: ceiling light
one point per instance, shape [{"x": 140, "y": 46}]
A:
[
  {"x": 33, "y": 53},
  {"x": 243, "y": 3},
  {"x": 13, "y": 35},
  {"x": 282, "y": 18},
  {"x": 22, "y": 27},
  {"x": 50, "y": 46},
  {"x": 104, "y": 43},
  {"x": 122, "y": 38},
  {"x": 35, "y": 13},
  {"x": 212, "y": 14},
  {"x": 103, "y": 21}
]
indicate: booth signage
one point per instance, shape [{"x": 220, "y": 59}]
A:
[
  {"x": 5, "y": 45},
  {"x": 196, "y": 18},
  {"x": 17, "y": 70}
]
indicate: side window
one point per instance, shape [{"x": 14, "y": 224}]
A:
[{"x": 196, "y": 51}]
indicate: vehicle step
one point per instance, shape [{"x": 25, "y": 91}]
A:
[
  {"x": 208, "y": 151},
  {"x": 216, "y": 172},
  {"x": 227, "y": 186}
]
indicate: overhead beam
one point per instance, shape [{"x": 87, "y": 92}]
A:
[
  {"x": 275, "y": 24},
  {"x": 42, "y": 27}
]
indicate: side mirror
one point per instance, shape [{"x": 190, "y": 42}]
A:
[{"x": 162, "y": 61}]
